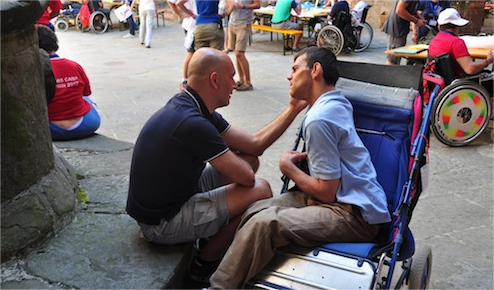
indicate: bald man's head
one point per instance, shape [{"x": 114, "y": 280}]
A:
[{"x": 204, "y": 61}]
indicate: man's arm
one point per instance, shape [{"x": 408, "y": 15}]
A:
[
  {"x": 298, "y": 8},
  {"x": 401, "y": 11},
  {"x": 176, "y": 10},
  {"x": 181, "y": 6},
  {"x": 254, "y": 145},
  {"x": 473, "y": 67},
  {"x": 323, "y": 190},
  {"x": 234, "y": 169},
  {"x": 415, "y": 29}
]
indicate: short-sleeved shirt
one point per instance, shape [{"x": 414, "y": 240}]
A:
[
  {"x": 241, "y": 16},
  {"x": 335, "y": 151},
  {"x": 283, "y": 10},
  {"x": 448, "y": 42},
  {"x": 397, "y": 26},
  {"x": 72, "y": 85},
  {"x": 169, "y": 156}
]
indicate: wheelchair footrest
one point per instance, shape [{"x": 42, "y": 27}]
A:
[{"x": 301, "y": 268}]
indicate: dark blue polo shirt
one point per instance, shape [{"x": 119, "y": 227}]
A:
[{"x": 169, "y": 156}]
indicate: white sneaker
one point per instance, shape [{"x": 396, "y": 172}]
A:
[{"x": 128, "y": 35}]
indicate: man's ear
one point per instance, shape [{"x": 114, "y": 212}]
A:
[
  {"x": 213, "y": 79},
  {"x": 316, "y": 70}
]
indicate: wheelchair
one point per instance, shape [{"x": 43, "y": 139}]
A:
[
  {"x": 341, "y": 35},
  {"x": 464, "y": 106},
  {"x": 393, "y": 124},
  {"x": 99, "y": 21},
  {"x": 68, "y": 16}
]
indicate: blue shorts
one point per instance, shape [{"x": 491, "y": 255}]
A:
[{"x": 201, "y": 216}]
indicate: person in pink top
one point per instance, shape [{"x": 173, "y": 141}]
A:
[
  {"x": 71, "y": 113},
  {"x": 447, "y": 41}
]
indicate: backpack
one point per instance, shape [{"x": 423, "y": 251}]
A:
[
  {"x": 344, "y": 23},
  {"x": 84, "y": 14}
]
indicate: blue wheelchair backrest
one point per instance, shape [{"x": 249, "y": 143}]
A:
[{"x": 386, "y": 118}]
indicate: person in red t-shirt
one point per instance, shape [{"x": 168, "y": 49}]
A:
[
  {"x": 447, "y": 41},
  {"x": 71, "y": 113},
  {"x": 51, "y": 11}
]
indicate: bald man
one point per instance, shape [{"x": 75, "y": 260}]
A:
[{"x": 193, "y": 174}]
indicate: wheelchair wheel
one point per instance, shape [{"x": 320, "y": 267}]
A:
[
  {"x": 461, "y": 112},
  {"x": 62, "y": 25},
  {"x": 78, "y": 23},
  {"x": 365, "y": 35},
  {"x": 331, "y": 38},
  {"x": 420, "y": 272},
  {"x": 99, "y": 22}
]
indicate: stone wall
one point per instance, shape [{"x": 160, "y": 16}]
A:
[
  {"x": 473, "y": 10},
  {"x": 38, "y": 187},
  {"x": 375, "y": 15}
]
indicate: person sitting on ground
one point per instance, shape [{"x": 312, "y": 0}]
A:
[
  {"x": 71, "y": 113},
  {"x": 192, "y": 174},
  {"x": 448, "y": 41},
  {"x": 338, "y": 198},
  {"x": 281, "y": 20}
]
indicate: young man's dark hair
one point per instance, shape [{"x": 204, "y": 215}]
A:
[
  {"x": 327, "y": 60},
  {"x": 46, "y": 38}
]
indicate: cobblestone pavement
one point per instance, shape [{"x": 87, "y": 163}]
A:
[{"x": 101, "y": 248}]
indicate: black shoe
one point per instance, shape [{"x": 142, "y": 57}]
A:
[
  {"x": 201, "y": 271},
  {"x": 200, "y": 243},
  {"x": 287, "y": 48}
]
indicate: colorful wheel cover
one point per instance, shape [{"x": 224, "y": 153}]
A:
[{"x": 463, "y": 114}]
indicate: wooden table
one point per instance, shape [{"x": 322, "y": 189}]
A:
[
  {"x": 305, "y": 14},
  {"x": 419, "y": 52}
]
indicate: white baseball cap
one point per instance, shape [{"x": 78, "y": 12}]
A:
[{"x": 450, "y": 15}]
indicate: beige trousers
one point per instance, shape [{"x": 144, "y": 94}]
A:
[{"x": 290, "y": 217}]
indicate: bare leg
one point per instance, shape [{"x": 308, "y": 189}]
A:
[
  {"x": 243, "y": 67},
  {"x": 239, "y": 198},
  {"x": 296, "y": 40},
  {"x": 185, "y": 65}
]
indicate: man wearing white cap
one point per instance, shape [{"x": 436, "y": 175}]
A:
[{"x": 447, "y": 41}]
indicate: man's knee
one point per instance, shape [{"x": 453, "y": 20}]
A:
[
  {"x": 239, "y": 54},
  {"x": 263, "y": 189},
  {"x": 252, "y": 160}
]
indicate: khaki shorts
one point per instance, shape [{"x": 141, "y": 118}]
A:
[
  {"x": 201, "y": 216},
  {"x": 239, "y": 36},
  {"x": 209, "y": 35}
]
